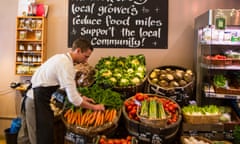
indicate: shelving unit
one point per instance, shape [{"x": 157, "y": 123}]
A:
[
  {"x": 217, "y": 52},
  {"x": 31, "y": 39}
]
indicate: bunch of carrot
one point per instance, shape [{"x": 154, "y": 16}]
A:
[{"x": 86, "y": 118}]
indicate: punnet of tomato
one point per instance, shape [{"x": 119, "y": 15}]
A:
[{"x": 102, "y": 139}]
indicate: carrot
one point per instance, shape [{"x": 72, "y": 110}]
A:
[
  {"x": 67, "y": 113},
  {"x": 74, "y": 117},
  {"x": 97, "y": 118},
  {"x": 113, "y": 114},
  {"x": 83, "y": 119},
  {"x": 88, "y": 117},
  {"x": 69, "y": 118},
  {"x": 107, "y": 114},
  {"x": 79, "y": 116},
  {"x": 101, "y": 121},
  {"x": 93, "y": 117}
]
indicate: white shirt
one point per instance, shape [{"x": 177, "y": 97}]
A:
[{"x": 57, "y": 70}]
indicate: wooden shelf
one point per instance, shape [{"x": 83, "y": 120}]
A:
[{"x": 31, "y": 32}]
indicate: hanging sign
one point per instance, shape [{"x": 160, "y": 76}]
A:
[{"x": 119, "y": 23}]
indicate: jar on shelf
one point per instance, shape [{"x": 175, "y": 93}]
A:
[
  {"x": 21, "y": 47},
  {"x": 38, "y": 35},
  {"x": 34, "y": 59},
  {"x": 28, "y": 24},
  {"x": 21, "y": 23},
  {"x": 19, "y": 58},
  {"x": 38, "y": 47},
  {"x": 29, "y": 58},
  {"x": 29, "y": 47},
  {"x": 39, "y": 23},
  {"x": 24, "y": 58},
  {"x": 33, "y": 24},
  {"x": 22, "y": 35},
  {"x": 39, "y": 59}
]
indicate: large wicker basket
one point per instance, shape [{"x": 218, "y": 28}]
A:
[
  {"x": 93, "y": 131},
  {"x": 201, "y": 119}
]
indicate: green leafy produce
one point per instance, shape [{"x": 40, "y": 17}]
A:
[
  {"x": 153, "y": 109},
  {"x": 236, "y": 134},
  {"x": 161, "y": 111},
  {"x": 219, "y": 80},
  {"x": 107, "y": 97},
  {"x": 120, "y": 71},
  {"x": 197, "y": 110},
  {"x": 144, "y": 108}
]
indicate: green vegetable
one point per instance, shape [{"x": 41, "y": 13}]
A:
[
  {"x": 236, "y": 134},
  {"x": 197, "y": 110},
  {"x": 219, "y": 80},
  {"x": 153, "y": 109},
  {"x": 124, "y": 82},
  {"x": 107, "y": 97},
  {"x": 161, "y": 111},
  {"x": 144, "y": 108},
  {"x": 128, "y": 71}
]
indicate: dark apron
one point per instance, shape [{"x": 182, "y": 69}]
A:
[{"x": 44, "y": 114}]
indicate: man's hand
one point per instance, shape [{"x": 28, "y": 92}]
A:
[
  {"x": 99, "y": 107},
  {"x": 90, "y": 100}
]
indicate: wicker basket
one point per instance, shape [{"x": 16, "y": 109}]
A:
[
  {"x": 154, "y": 122},
  {"x": 201, "y": 119},
  {"x": 93, "y": 131},
  {"x": 197, "y": 138}
]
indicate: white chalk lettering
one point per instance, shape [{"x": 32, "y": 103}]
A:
[
  {"x": 150, "y": 33},
  {"x": 130, "y": 42},
  {"x": 110, "y": 9},
  {"x": 117, "y": 22},
  {"x": 149, "y": 22},
  {"x": 86, "y": 21},
  {"x": 97, "y": 31},
  {"x": 83, "y": 8}
]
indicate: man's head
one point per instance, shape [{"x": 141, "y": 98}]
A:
[{"x": 81, "y": 50}]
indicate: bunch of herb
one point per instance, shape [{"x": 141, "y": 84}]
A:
[{"x": 108, "y": 97}]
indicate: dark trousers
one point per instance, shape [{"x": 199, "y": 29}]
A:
[{"x": 44, "y": 114}]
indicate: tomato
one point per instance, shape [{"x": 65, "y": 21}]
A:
[
  {"x": 129, "y": 108},
  {"x": 126, "y": 103},
  {"x": 139, "y": 97},
  {"x": 129, "y": 138},
  {"x": 131, "y": 102},
  {"x": 133, "y": 112},
  {"x": 116, "y": 141},
  {"x": 102, "y": 140}
]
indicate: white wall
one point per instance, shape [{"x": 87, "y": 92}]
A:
[{"x": 179, "y": 52}]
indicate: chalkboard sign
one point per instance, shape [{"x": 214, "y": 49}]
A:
[{"x": 119, "y": 23}]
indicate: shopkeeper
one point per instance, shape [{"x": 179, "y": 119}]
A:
[{"x": 57, "y": 72}]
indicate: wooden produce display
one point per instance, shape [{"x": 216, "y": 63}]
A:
[
  {"x": 89, "y": 123},
  {"x": 31, "y": 32},
  {"x": 143, "y": 127},
  {"x": 126, "y": 75},
  {"x": 172, "y": 81},
  {"x": 215, "y": 127}
]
